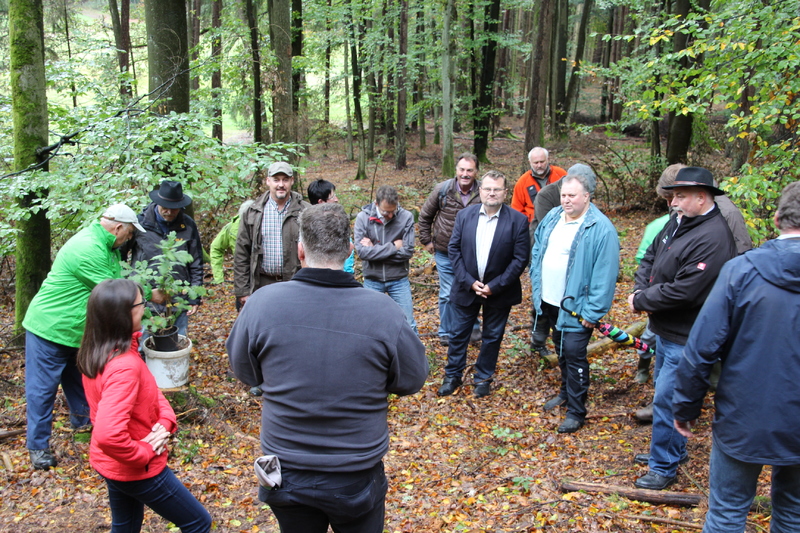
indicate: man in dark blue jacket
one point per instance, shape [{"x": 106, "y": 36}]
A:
[
  {"x": 488, "y": 251},
  {"x": 750, "y": 323}
]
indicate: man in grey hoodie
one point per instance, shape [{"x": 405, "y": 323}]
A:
[{"x": 384, "y": 239}]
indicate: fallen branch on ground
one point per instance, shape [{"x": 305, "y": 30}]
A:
[
  {"x": 684, "y": 499},
  {"x": 659, "y": 520}
]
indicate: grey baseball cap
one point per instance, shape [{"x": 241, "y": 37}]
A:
[{"x": 280, "y": 167}]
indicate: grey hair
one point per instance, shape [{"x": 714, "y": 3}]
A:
[
  {"x": 325, "y": 234},
  {"x": 388, "y": 194},
  {"x": 579, "y": 169},
  {"x": 580, "y": 178},
  {"x": 546, "y": 153},
  {"x": 469, "y": 157},
  {"x": 668, "y": 178},
  {"x": 788, "y": 216}
]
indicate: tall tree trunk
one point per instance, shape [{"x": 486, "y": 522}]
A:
[
  {"x": 483, "y": 113},
  {"x": 537, "y": 89},
  {"x": 72, "y": 87},
  {"x": 580, "y": 46},
  {"x": 197, "y": 8},
  {"x": 120, "y": 25},
  {"x": 326, "y": 91},
  {"x": 348, "y": 116},
  {"x": 298, "y": 74},
  {"x": 216, "y": 75},
  {"x": 361, "y": 172},
  {"x": 448, "y": 157},
  {"x": 168, "y": 54},
  {"x": 679, "y": 136},
  {"x": 30, "y": 122},
  {"x": 558, "y": 70},
  {"x": 255, "y": 53},
  {"x": 400, "y": 136},
  {"x": 280, "y": 32}
]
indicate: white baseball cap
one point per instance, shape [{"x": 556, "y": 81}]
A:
[{"x": 123, "y": 213}]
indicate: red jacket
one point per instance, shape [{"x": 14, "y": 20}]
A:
[
  {"x": 521, "y": 199},
  {"x": 125, "y": 403}
]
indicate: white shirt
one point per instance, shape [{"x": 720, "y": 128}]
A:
[
  {"x": 484, "y": 235},
  {"x": 556, "y": 259}
]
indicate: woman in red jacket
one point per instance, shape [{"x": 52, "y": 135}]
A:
[{"x": 132, "y": 420}]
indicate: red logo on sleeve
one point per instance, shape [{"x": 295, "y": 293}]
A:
[{"x": 701, "y": 266}]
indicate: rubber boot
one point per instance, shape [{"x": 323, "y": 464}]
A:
[{"x": 643, "y": 370}]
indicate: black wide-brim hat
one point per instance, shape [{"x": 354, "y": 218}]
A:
[
  {"x": 170, "y": 195},
  {"x": 695, "y": 177}
]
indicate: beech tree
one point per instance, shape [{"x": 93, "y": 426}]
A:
[
  {"x": 168, "y": 54},
  {"x": 29, "y": 103}
]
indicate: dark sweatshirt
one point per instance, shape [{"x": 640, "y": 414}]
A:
[{"x": 326, "y": 352}]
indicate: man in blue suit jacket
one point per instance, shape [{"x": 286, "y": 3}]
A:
[{"x": 488, "y": 251}]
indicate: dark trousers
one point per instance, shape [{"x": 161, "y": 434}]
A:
[
  {"x": 164, "y": 494},
  {"x": 541, "y": 329},
  {"x": 494, "y": 326},
  {"x": 571, "y": 350},
  {"x": 308, "y": 500}
]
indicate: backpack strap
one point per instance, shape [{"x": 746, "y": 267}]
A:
[{"x": 443, "y": 192}]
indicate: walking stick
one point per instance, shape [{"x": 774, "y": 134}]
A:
[{"x": 612, "y": 332}]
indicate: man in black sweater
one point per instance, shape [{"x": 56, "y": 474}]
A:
[{"x": 326, "y": 352}]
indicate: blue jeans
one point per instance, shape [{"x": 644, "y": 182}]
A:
[
  {"x": 667, "y": 446},
  {"x": 494, "y": 327},
  {"x": 164, "y": 494},
  {"x": 46, "y": 365},
  {"x": 733, "y": 487},
  {"x": 307, "y": 501},
  {"x": 445, "y": 283},
  {"x": 400, "y": 291}
]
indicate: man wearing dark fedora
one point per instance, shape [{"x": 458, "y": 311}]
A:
[
  {"x": 672, "y": 283},
  {"x": 162, "y": 216}
]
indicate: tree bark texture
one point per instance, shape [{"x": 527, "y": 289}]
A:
[
  {"x": 448, "y": 157},
  {"x": 483, "y": 112},
  {"x": 255, "y": 53},
  {"x": 30, "y": 122},
  {"x": 540, "y": 67},
  {"x": 558, "y": 70},
  {"x": 120, "y": 26},
  {"x": 168, "y": 54},
  {"x": 361, "y": 172},
  {"x": 580, "y": 46},
  {"x": 216, "y": 75},
  {"x": 280, "y": 35},
  {"x": 402, "y": 94},
  {"x": 663, "y": 497}
]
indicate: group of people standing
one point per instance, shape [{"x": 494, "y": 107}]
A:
[{"x": 325, "y": 351}]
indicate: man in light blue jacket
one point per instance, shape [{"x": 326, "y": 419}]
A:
[{"x": 575, "y": 256}]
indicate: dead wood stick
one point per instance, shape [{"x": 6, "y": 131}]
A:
[
  {"x": 13, "y": 433},
  {"x": 659, "y": 520},
  {"x": 603, "y": 344},
  {"x": 684, "y": 499},
  {"x": 7, "y": 462},
  {"x": 607, "y": 415}
]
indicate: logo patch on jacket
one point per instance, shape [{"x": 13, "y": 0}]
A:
[{"x": 701, "y": 266}]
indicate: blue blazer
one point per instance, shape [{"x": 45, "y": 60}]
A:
[{"x": 508, "y": 257}]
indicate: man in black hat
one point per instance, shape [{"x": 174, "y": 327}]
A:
[
  {"x": 672, "y": 283},
  {"x": 162, "y": 216}
]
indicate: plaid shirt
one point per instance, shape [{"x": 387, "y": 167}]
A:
[{"x": 272, "y": 233}]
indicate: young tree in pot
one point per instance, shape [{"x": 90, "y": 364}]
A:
[{"x": 159, "y": 274}]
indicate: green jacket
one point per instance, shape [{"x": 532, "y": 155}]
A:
[
  {"x": 58, "y": 311},
  {"x": 225, "y": 241},
  {"x": 650, "y": 232}
]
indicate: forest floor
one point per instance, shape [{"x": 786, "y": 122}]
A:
[{"x": 455, "y": 464}]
